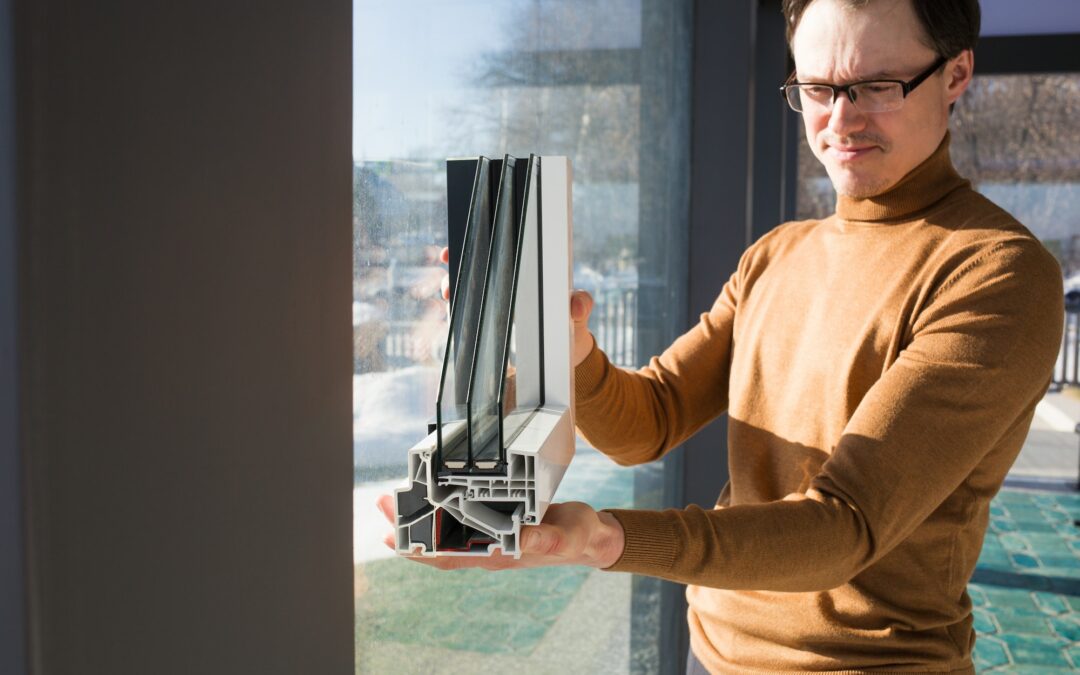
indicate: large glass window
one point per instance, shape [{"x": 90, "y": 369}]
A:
[
  {"x": 1017, "y": 138},
  {"x": 604, "y": 82}
]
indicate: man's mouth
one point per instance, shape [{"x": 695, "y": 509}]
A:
[{"x": 850, "y": 152}]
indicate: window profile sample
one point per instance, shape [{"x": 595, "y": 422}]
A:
[{"x": 504, "y": 433}]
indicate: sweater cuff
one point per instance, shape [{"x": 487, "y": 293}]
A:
[
  {"x": 652, "y": 542},
  {"x": 589, "y": 374}
]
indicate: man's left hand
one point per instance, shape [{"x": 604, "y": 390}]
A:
[{"x": 571, "y": 534}]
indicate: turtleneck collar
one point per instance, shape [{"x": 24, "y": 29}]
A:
[{"x": 923, "y": 186}]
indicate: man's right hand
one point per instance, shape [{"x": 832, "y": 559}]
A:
[{"x": 581, "y": 305}]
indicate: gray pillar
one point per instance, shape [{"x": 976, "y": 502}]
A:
[{"x": 185, "y": 201}]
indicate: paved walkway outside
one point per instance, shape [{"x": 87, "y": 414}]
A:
[{"x": 1051, "y": 450}]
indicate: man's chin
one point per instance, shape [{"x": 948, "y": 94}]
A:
[{"x": 858, "y": 187}]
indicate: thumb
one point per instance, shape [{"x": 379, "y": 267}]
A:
[
  {"x": 539, "y": 539},
  {"x": 581, "y": 304}
]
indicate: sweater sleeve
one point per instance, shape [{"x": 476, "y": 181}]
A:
[
  {"x": 979, "y": 359},
  {"x": 636, "y": 417}
]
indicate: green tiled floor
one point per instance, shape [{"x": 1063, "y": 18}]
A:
[
  {"x": 1026, "y": 588},
  {"x": 1026, "y": 592}
]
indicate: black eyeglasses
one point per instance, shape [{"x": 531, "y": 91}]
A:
[{"x": 868, "y": 96}]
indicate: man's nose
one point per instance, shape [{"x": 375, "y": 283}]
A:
[{"x": 845, "y": 117}]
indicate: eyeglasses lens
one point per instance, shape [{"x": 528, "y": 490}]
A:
[
  {"x": 874, "y": 97},
  {"x": 868, "y": 97}
]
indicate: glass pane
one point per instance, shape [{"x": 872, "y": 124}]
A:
[
  {"x": 464, "y": 324},
  {"x": 522, "y": 377},
  {"x": 1017, "y": 137},
  {"x": 484, "y": 413},
  {"x": 814, "y": 194},
  {"x": 605, "y": 83}
]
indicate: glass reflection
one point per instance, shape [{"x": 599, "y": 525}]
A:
[
  {"x": 458, "y": 363},
  {"x": 521, "y": 380},
  {"x": 603, "y": 82},
  {"x": 484, "y": 413}
]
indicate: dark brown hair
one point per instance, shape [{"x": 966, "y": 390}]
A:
[{"x": 950, "y": 26}]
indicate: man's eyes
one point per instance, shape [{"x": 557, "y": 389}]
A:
[
  {"x": 877, "y": 87},
  {"x": 817, "y": 92}
]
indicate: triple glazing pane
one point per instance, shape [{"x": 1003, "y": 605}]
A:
[
  {"x": 492, "y": 379},
  {"x": 457, "y": 363},
  {"x": 484, "y": 389}
]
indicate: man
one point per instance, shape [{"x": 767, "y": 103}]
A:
[{"x": 880, "y": 369}]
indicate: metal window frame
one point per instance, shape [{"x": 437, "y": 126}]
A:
[
  {"x": 1018, "y": 54},
  {"x": 720, "y": 183},
  {"x": 742, "y": 185},
  {"x": 13, "y": 595}
]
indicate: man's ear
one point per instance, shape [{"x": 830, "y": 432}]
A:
[{"x": 958, "y": 73}]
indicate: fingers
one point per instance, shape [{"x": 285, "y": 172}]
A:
[
  {"x": 493, "y": 563},
  {"x": 541, "y": 540},
  {"x": 444, "y": 257},
  {"x": 385, "y": 503},
  {"x": 530, "y": 538}
]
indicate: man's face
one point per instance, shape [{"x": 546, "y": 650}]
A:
[{"x": 865, "y": 154}]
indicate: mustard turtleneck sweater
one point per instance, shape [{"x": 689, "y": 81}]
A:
[{"x": 880, "y": 369}]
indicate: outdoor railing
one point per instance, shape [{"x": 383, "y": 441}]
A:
[
  {"x": 1067, "y": 369},
  {"x": 396, "y": 344},
  {"x": 612, "y": 324}
]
